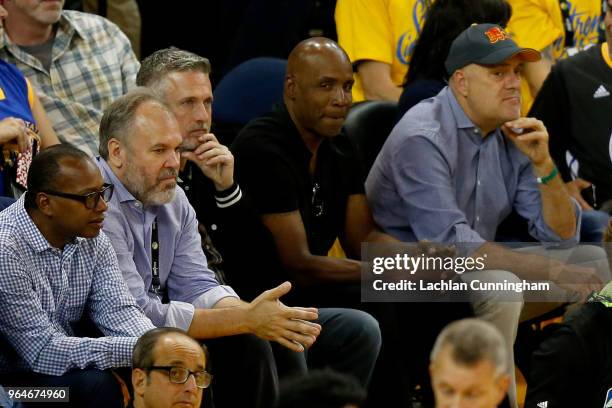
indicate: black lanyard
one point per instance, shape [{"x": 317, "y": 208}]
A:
[
  {"x": 156, "y": 284},
  {"x": 155, "y": 281}
]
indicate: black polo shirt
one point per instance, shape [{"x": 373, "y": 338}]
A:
[{"x": 273, "y": 170}]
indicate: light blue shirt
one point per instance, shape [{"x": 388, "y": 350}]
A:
[
  {"x": 437, "y": 178},
  {"x": 43, "y": 290},
  {"x": 183, "y": 270}
]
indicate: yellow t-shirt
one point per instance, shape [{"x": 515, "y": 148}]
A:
[
  {"x": 379, "y": 30},
  {"x": 539, "y": 23}
]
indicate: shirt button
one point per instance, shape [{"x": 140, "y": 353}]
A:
[
  {"x": 478, "y": 182},
  {"x": 137, "y": 205},
  {"x": 213, "y": 227},
  {"x": 476, "y": 131},
  {"x": 477, "y": 219}
]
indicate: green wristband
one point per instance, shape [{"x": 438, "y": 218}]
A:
[{"x": 547, "y": 179}]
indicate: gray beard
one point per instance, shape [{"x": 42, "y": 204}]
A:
[{"x": 148, "y": 197}]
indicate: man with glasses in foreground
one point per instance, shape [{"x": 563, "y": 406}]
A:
[
  {"x": 56, "y": 268},
  {"x": 168, "y": 369}
]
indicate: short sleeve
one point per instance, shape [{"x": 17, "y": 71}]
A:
[{"x": 365, "y": 30}]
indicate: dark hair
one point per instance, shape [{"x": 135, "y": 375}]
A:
[
  {"x": 46, "y": 169},
  {"x": 322, "y": 389},
  {"x": 444, "y": 21},
  {"x": 142, "y": 356},
  {"x": 167, "y": 60},
  {"x": 118, "y": 118}
]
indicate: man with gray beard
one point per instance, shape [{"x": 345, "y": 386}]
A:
[{"x": 154, "y": 232}]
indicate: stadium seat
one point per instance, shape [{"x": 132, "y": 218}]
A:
[
  {"x": 249, "y": 90},
  {"x": 368, "y": 124}
]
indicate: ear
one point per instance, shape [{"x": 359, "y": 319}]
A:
[
  {"x": 502, "y": 387},
  {"x": 139, "y": 381},
  {"x": 44, "y": 204},
  {"x": 460, "y": 82},
  {"x": 290, "y": 87},
  {"x": 116, "y": 153}
]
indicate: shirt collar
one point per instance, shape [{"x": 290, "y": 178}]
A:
[
  {"x": 30, "y": 231},
  {"x": 292, "y": 137},
  {"x": 68, "y": 26},
  {"x": 463, "y": 122},
  {"x": 122, "y": 194}
]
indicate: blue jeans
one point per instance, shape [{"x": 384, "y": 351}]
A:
[
  {"x": 593, "y": 225},
  {"x": 349, "y": 343}
]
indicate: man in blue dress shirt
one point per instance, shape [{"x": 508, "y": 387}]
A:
[
  {"x": 56, "y": 268},
  {"x": 457, "y": 164}
]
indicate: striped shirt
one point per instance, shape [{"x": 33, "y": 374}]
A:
[
  {"x": 92, "y": 65},
  {"x": 44, "y": 290}
]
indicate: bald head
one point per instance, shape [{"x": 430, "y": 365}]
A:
[
  {"x": 313, "y": 49},
  {"x": 318, "y": 87}
]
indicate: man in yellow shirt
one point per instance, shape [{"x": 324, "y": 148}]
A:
[{"x": 378, "y": 36}]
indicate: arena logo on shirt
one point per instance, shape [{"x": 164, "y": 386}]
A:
[
  {"x": 584, "y": 25},
  {"x": 407, "y": 41}
]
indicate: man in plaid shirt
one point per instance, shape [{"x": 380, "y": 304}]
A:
[
  {"x": 56, "y": 268},
  {"x": 79, "y": 63}
]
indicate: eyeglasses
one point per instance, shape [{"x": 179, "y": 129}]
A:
[
  {"x": 317, "y": 201},
  {"x": 179, "y": 375},
  {"x": 90, "y": 200}
]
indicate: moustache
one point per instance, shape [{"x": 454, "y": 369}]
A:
[
  {"x": 204, "y": 127},
  {"x": 167, "y": 173}
]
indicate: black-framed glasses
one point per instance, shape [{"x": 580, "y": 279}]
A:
[
  {"x": 90, "y": 200},
  {"x": 317, "y": 201},
  {"x": 179, "y": 375}
]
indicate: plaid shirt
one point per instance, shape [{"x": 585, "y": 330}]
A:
[
  {"x": 43, "y": 290},
  {"x": 92, "y": 65}
]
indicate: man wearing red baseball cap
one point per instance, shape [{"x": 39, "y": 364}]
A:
[{"x": 458, "y": 164}]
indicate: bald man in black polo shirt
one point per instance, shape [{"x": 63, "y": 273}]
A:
[
  {"x": 303, "y": 175},
  {"x": 305, "y": 180}
]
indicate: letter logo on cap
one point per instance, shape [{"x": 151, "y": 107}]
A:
[{"x": 496, "y": 34}]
